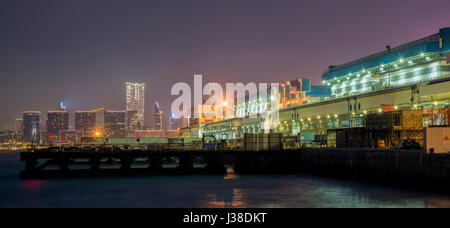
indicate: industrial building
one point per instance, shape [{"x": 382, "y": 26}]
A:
[{"x": 387, "y": 92}]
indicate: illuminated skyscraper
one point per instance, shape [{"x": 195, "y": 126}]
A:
[
  {"x": 173, "y": 123},
  {"x": 177, "y": 123},
  {"x": 86, "y": 122},
  {"x": 132, "y": 122},
  {"x": 31, "y": 126},
  {"x": 57, "y": 121},
  {"x": 135, "y": 93},
  {"x": 158, "y": 125},
  {"x": 115, "y": 124}
]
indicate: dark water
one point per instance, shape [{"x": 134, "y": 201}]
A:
[{"x": 243, "y": 191}]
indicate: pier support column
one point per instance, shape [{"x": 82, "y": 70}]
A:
[
  {"x": 30, "y": 165},
  {"x": 156, "y": 162},
  {"x": 95, "y": 165},
  {"x": 244, "y": 164},
  {"x": 126, "y": 165},
  {"x": 186, "y": 162},
  {"x": 215, "y": 164},
  {"x": 63, "y": 164}
]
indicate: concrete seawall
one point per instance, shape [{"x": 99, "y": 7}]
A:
[{"x": 401, "y": 167}]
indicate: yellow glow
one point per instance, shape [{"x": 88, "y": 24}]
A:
[{"x": 225, "y": 103}]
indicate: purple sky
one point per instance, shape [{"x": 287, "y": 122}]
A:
[{"x": 82, "y": 51}]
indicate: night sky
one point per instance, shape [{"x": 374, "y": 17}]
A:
[{"x": 83, "y": 51}]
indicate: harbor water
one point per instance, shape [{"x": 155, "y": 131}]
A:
[{"x": 202, "y": 191}]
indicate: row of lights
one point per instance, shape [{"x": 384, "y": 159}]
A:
[{"x": 401, "y": 60}]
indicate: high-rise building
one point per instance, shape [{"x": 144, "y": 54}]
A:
[
  {"x": 31, "y": 126},
  {"x": 172, "y": 124},
  {"x": 86, "y": 123},
  {"x": 135, "y": 93},
  {"x": 158, "y": 122},
  {"x": 18, "y": 125},
  {"x": 115, "y": 124},
  {"x": 56, "y": 121},
  {"x": 133, "y": 123},
  {"x": 177, "y": 123}
]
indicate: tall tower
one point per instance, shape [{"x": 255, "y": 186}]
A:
[
  {"x": 115, "y": 124},
  {"x": 31, "y": 126},
  {"x": 86, "y": 122},
  {"x": 135, "y": 93},
  {"x": 56, "y": 121},
  {"x": 158, "y": 125}
]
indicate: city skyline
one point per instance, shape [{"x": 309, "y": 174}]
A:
[{"x": 225, "y": 104}]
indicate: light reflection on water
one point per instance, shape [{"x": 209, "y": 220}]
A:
[{"x": 210, "y": 191}]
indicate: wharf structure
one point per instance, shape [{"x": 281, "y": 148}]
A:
[{"x": 395, "y": 93}]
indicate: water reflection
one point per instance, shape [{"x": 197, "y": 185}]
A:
[
  {"x": 32, "y": 184},
  {"x": 208, "y": 191},
  {"x": 238, "y": 200},
  {"x": 231, "y": 175}
]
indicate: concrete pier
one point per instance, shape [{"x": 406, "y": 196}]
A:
[{"x": 398, "y": 166}]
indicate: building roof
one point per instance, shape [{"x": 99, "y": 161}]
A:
[{"x": 429, "y": 44}]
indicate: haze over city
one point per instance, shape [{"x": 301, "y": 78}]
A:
[{"x": 82, "y": 52}]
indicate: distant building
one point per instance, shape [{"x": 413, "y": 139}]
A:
[
  {"x": 158, "y": 122},
  {"x": 6, "y": 136},
  {"x": 156, "y": 134},
  {"x": 133, "y": 123},
  {"x": 56, "y": 121},
  {"x": 18, "y": 130},
  {"x": 135, "y": 99},
  {"x": 72, "y": 137},
  {"x": 177, "y": 123},
  {"x": 147, "y": 128},
  {"x": 86, "y": 122},
  {"x": 172, "y": 122},
  {"x": 115, "y": 124},
  {"x": 31, "y": 126},
  {"x": 18, "y": 125}
]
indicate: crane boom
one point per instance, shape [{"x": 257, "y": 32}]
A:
[{"x": 98, "y": 110}]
